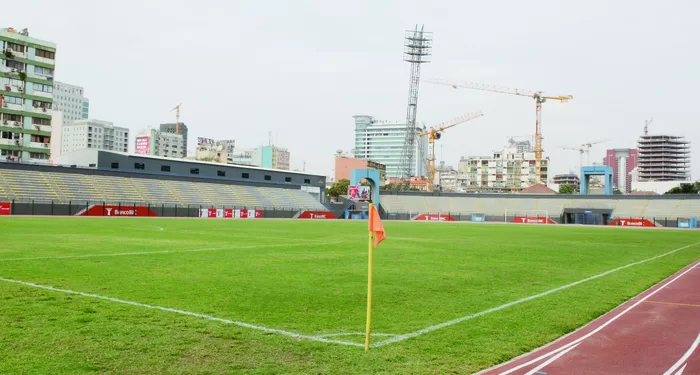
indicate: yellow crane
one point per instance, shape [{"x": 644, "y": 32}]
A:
[
  {"x": 539, "y": 99},
  {"x": 434, "y": 134},
  {"x": 177, "y": 118}
]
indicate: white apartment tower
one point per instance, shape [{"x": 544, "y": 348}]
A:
[
  {"x": 69, "y": 99},
  {"x": 383, "y": 142},
  {"x": 505, "y": 170},
  {"x": 102, "y": 135}
]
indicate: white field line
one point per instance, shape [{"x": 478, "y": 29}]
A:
[
  {"x": 356, "y": 334},
  {"x": 182, "y": 312},
  {"x": 171, "y": 251},
  {"x": 509, "y": 304},
  {"x": 684, "y": 357},
  {"x": 549, "y": 361},
  {"x": 593, "y": 332}
]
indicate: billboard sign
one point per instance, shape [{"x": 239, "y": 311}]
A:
[
  {"x": 358, "y": 193},
  {"x": 434, "y": 217},
  {"x": 318, "y": 215},
  {"x": 230, "y": 213},
  {"x": 532, "y": 220},
  {"x": 204, "y": 141},
  {"x": 114, "y": 210},
  {"x": 143, "y": 145},
  {"x": 632, "y": 223},
  {"x": 5, "y": 208}
]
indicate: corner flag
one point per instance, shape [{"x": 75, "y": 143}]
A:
[{"x": 376, "y": 235}]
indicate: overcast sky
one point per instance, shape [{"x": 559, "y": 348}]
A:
[{"x": 302, "y": 69}]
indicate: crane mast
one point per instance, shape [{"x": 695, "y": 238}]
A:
[
  {"x": 539, "y": 99},
  {"x": 434, "y": 134}
]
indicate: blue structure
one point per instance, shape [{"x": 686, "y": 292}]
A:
[
  {"x": 372, "y": 176},
  {"x": 598, "y": 170}
]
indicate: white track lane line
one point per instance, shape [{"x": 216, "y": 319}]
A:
[
  {"x": 586, "y": 336},
  {"x": 684, "y": 358},
  {"x": 172, "y": 251},
  {"x": 509, "y": 304},
  {"x": 182, "y": 312},
  {"x": 549, "y": 361}
]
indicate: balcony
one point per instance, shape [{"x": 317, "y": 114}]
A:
[
  {"x": 10, "y": 142},
  {"x": 13, "y": 88},
  {"x": 44, "y": 60},
  {"x": 12, "y": 106},
  {"x": 15, "y": 124},
  {"x": 43, "y": 128},
  {"x": 42, "y": 94},
  {"x": 39, "y": 145},
  {"x": 41, "y": 110},
  {"x": 14, "y": 53}
]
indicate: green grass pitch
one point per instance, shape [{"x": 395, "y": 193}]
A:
[{"x": 305, "y": 278}]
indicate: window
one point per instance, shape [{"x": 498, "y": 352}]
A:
[
  {"x": 43, "y": 71},
  {"x": 307, "y": 181},
  {"x": 245, "y": 175},
  {"x": 287, "y": 179},
  {"x": 38, "y": 155},
  {"x": 165, "y": 168},
  {"x": 45, "y": 54},
  {"x": 14, "y": 65},
  {"x": 268, "y": 177},
  {"x": 221, "y": 173},
  {"x": 139, "y": 166},
  {"x": 194, "y": 170},
  {"x": 8, "y": 117},
  {"x": 40, "y": 104},
  {"x": 12, "y": 100},
  {"x": 43, "y": 88},
  {"x": 115, "y": 165},
  {"x": 15, "y": 47},
  {"x": 41, "y": 121}
]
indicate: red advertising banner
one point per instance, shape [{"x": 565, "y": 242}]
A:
[
  {"x": 434, "y": 217},
  {"x": 5, "y": 208},
  {"x": 112, "y": 210},
  {"x": 143, "y": 145},
  {"x": 230, "y": 213},
  {"x": 532, "y": 220},
  {"x": 632, "y": 223},
  {"x": 316, "y": 215}
]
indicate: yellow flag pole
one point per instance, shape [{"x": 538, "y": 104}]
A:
[{"x": 369, "y": 279}]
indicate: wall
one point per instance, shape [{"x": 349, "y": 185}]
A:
[{"x": 343, "y": 166}]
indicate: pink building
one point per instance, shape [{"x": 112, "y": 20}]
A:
[
  {"x": 343, "y": 166},
  {"x": 622, "y": 161}
]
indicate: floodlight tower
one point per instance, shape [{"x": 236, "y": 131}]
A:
[{"x": 417, "y": 48}]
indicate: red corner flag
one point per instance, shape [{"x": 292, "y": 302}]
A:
[{"x": 376, "y": 226}]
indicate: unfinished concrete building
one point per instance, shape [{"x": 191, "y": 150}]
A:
[{"x": 663, "y": 158}]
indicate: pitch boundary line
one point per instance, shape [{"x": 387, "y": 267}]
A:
[
  {"x": 452, "y": 322},
  {"x": 189, "y": 313},
  {"x": 169, "y": 251}
]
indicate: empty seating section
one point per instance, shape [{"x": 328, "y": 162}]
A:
[
  {"x": 219, "y": 194},
  {"x": 75, "y": 187},
  {"x": 116, "y": 189},
  {"x": 29, "y": 185},
  {"x": 305, "y": 200},
  {"x": 247, "y": 195},
  {"x": 155, "y": 191},
  {"x": 187, "y": 192}
]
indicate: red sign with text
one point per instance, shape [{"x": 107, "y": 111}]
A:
[
  {"x": 434, "y": 217},
  {"x": 316, "y": 215},
  {"x": 5, "y": 208},
  {"x": 632, "y": 223},
  {"x": 230, "y": 213},
  {"x": 111, "y": 210},
  {"x": 532, "y": 220}
]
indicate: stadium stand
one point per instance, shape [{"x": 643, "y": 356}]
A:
[{"x": 76, "y": 187}]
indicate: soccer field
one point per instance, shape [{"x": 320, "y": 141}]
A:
[{"x": 187, "y": 296}]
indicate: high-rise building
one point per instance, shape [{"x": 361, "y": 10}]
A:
[
  {"x": 383, "y": 142},
  {"x": 102, "y": 135},
  {"x": 570, "y": 179},
  {"x": 160, "y": 143},
  {"x": 274, "y": 157},
  {"x": 173, "y": 128},
  {"x": 69, "y": 99},
  {"x": 663, "y": 158},
  {"x": 622, "y": 161},
  {"x": 215, "y": 151},
  {"x": 505, "y": 170},
  {"x": 26, "y": 95}
]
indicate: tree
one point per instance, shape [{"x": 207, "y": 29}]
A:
[
  {"x": 566, "y": 189},
  {"x": 339, "y": 188},
  {"x": 685, "y": 189},
  {"x": 399, "y": 186},
  {"x": 616, "y": 191}
]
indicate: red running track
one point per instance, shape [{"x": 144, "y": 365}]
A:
[{"x": 657, "y": 332}]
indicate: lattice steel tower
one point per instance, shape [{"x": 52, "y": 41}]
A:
[{"x": 417, "y": 46}]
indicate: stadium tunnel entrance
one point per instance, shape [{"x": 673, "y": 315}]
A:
[{"x": 586, "y": 216}]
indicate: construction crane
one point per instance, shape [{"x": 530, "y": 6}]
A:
[
  {"x": 435, "y": 133},
  {"x": 539, "y": 99},
  {"x": 177, "y": 116},
  {"x": 646, "y": 125},
  {"x": 585, "y": 148}
]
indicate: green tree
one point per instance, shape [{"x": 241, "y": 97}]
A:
[
  {"x": 616, "y": 191},
  {"x": 566, "y": 189},
  {"x": 685, "y": 189},
  {"x": 339, "y": 188}
]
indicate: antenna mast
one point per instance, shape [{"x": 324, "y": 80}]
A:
[{"x": 417, "y": 48}]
